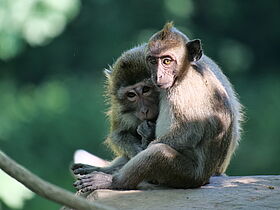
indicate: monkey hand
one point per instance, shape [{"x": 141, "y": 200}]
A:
[
  {"x": 82, "y": 169},
  {"x": 147, "y": 131},
  {"x": 93, "y": 181}
]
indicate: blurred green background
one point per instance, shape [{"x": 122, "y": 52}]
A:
[{"x": 53, "y": 52}]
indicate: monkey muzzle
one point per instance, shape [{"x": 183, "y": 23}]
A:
[{"x": 165, "y": 80}]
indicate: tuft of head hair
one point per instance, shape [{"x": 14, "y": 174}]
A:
[
  {"x": 165, "y": 32},
  {"x": 168, "y": 36}
]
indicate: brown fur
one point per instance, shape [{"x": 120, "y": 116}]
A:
[
  {"x": 198, "y": 127},
  {"x": 204, "y": 113}
]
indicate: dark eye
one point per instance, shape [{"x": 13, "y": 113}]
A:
[
  {"x": 167, "y": 61},
  {"x": 131, "y": 95},
  {"x": 152, "y": 60},
  {"x": 146, "y": 89}
]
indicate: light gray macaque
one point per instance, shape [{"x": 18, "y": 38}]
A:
[{"x": 198, "y": 126}]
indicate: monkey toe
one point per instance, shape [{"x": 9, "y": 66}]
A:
[
  {"x": 93, "y": 181},
  {"x": 83, "y": 185},
  {"x": 77, "y": 165},
  {"x": 87, "y": 189},
  {"x": 82, "y": 171}
]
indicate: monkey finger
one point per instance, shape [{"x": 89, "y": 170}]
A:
[
  {"x": 83, "y": 177},
  {"x": 81, "y": 187},
  {"x": 88, "y": 189},
  {"x": 90, "y": 177},
  {"x": 86, "y": 182},
  {"x": 78, "y": 172},
  {"x": 80, "y": 184},
  {"x": 83, "y": 171},
  {"x": 140, "y": 131},
  {"x": 79, "y": 165},
  {"x": 77, "y": 185},
  {"x": 151, "y": 124},
  {"x": 76, "y": 165}
]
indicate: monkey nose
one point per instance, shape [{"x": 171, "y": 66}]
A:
[{"x": 145, "y": 111}]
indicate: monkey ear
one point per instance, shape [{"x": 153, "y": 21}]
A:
[
  {"x": 194, "y": 50},
  {"x": 108, "y": 72}
]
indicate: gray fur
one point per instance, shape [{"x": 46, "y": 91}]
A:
[
  {"x": 198, "y": 127},
  {"x": 129, "y": 135}
]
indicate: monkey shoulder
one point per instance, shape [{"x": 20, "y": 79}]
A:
[{"x": 214, "y": 77}]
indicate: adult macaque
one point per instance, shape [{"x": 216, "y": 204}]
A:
[
  {"x": 198, "y": 127},
  {"x": 133, "y": 110}
]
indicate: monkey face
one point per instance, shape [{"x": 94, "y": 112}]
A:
[
  {"x": 140, "y": 99},
  {"x": 163, "y": 70},
  {"x": 169, "y": 53},
  {"x": 165, "y": 65}
]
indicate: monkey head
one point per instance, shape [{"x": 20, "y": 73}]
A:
[
  {"x": 169, "y": 53},
  {"x": 130, "y": 87},
  {"x": 140, "y": 99}
]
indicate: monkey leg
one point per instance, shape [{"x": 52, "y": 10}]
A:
[
  {"x": 115, "y": 165},
  {"x": 162, "y": 163},
  {"x": 158, "y": 162}
]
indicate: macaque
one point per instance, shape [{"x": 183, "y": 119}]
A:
[
  {"x": 198, "y": 126},
  {"x": 133, "y": 110}
]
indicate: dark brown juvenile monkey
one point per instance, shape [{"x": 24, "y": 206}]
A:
[
  {"x": 133, "y": 111},
  {"x": 198, "y": 127}
]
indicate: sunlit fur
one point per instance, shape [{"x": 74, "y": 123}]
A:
[
  {"x": 198, "y": 126},
  {"x": 203, "y": 109}
]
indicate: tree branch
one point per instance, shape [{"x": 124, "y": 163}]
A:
[{"x": 45, "y": 189}]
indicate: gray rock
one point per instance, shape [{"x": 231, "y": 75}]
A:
[{"x": 244, "y": 192}]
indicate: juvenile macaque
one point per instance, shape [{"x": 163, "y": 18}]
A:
[
  {"x": 133, "y": 110},
  {"x": 198, "y": 127}
]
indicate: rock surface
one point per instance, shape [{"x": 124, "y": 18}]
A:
[{"x": 244, "y": 192}]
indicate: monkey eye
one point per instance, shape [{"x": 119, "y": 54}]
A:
[
  {"x": 146, "y": 89},
  {"x": 167, "y": 61},
  {"x": 152, "y": 60},
  {"x": 131, "y": 94}
]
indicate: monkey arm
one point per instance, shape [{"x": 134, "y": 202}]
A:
[
  {"x": 158, "y": 162},
  {"x": 182, "y": 158},
  {"x": 147, "y": 131},
  {"x": 115, "y": 165},
  {"x": 187, "y": 135}
]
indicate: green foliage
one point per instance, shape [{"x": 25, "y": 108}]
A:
[
  {"x": 13, "y": 187},
  {"x": 51, "y": 97},
  {"x": 42, "y": 126},
  {"x": 35, "y": 21}
]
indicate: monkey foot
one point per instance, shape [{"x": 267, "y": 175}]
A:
[{"x": 94, "y": 181}]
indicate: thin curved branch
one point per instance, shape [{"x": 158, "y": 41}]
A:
[{"x": 45, "y": 189}]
